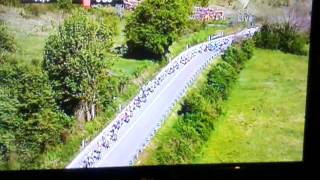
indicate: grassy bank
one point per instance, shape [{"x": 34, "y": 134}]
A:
[
  {"x": 262, "y": 120},
  {"x": 264, "y": 116}
]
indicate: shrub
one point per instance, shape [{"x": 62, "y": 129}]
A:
[
  {"x": 291, "y": 40},
  {"x": 235, "y": 57},
  {"x": 267, "y": 38},
  {"x": 7, "y": 42},
  {"x": 219, "y": 80},
  {"x": 110, "y": 87},
  {"x": 193, "y": 103},
  {"x": 248, "y": 48},
  {"x": 284, "y": 37},
  {"x": 64, "y": 4}
]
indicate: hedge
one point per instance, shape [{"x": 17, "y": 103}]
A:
[{"x": 201, "y": 107}]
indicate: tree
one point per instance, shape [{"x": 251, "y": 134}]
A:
[
  {"x": 74, "y": 59},
  {"x": 29, "y": 119},
  {"x": 155, "y": 25}
]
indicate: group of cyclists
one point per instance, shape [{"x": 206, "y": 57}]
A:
[
  {"x": 110, "y": 135},
  {"x": 218, "y": 46}
]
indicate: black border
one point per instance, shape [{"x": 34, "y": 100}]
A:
[
  {"x": 312, "y": 126},
  {"x": 311, "y": 152}
]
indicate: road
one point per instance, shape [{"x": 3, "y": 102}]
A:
[{"x": 146, "y": 120}]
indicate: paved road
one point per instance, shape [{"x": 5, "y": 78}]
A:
[{"x": 147, "y": 119}]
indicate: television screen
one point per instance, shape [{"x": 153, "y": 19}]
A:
[{"x": 119, "y": 83}]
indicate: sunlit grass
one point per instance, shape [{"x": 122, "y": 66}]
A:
[
  {"x": 263, "y": 119},
  {"x": 264, "y": 116}
]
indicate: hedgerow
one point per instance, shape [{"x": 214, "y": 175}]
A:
[
  {"x": 201, "y": 107},
  {"x": 283, "y": 37}
]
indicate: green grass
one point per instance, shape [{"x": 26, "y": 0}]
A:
[
  {"x": 30, "y": 48},
  {"x": 264, "y": 116},
  {"x": 131, "y": 66}
]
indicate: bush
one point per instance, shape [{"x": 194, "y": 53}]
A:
[
  {"x": 248, "y": 48},
  {"x": 7, "y": 42},
  {"x": 267, "y": 37},
  {"x": 235, "y": 57},
  {"x": 192, "y": 104},
  {"x": 219, "y": 80},
  {"x": 238, "y": 54},
  {"x": 282, "y": 37},
  {"x": 64, "y": 4},
  {"x": 110, "y": 87}
]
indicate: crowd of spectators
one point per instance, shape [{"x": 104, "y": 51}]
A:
[
  {"x": 131, "y": 4},
  {"x": 207, "y": 14}
]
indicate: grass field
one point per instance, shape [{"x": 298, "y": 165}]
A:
[
  {"x": 264, "y": 116},
  {"x": 263, "y": 119}
]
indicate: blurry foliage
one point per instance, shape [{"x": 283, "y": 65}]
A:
[
  {"x": 30, "y": 121},
  {"x": 283, "y": 37},
  {"x": 203, "y": 3},
  {"x": 7, "y": 42},
  {"x": 64, "y": 4},
  {"x": 11, "y": 2}
]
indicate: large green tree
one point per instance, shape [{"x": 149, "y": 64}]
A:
[
  {"x": 75, "y": 59},
  {"x": 155, "y": 25},
  {"x": 30, "y": 122}
]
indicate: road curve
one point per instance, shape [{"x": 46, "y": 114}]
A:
[{"x": 135, "y": 135}]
